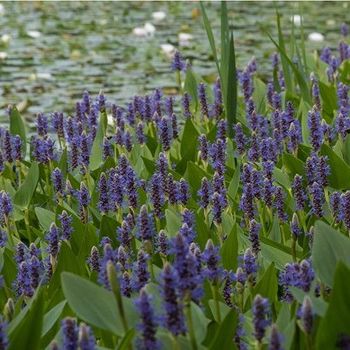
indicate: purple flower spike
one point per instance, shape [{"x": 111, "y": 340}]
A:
[
  {"x": 70, "y": 333},
  {"x": 57, "y": 181},
  {"x": 163, "y": 243},
  {"x": 58, "y": 124},
  {"x": 87, "y": 340},
  {"x": 94, "y": 259},
  {"x": 103, "y": 203},
  {"x": 183, "y": 191},
  {"x": 295, "y": 227},
  {"x": 4, "y": 342},
  {"x": 276, "y": 339},
  {"x": 218, "y": 106},
  {"x": 240, "y": 139},
  {"x": 203, "y": 101},
  {"x": 345, "y": 205},
  {"x": 204, "y": 193},
  {"x": 254, "y": 229},
  {"x": 53, "y": 240},
  {"x": 148, "y": 324},
  {"x": 66, "y": 225},
  {"x": 336, "y": 206},
  {"x": 261, "y": 317},
  {"x": 203, "y": 147},
  {"x": 316, "y": 133},
  {"x": 157, "y": 194},
  {"x": 7, "y": 147},
  {"x": 186, "y": 99},
  {"x": 164, "y": 133},
  {"x": 298, "y": 192},
  {"x": 141, "y": 138},
  {"x": 42, "y": 124},
  {"x": 306, "y": 315},
  {"x": 317, "y": 199},
  {"x": 211, "y": 259},
  {"x": 344, "y": 29},
  {"x": 279, "y": 204},
  {"x": 145, "y": 225},
  {"x": 178, "y": 63},
  {"x": 174, "y": 319},
  {"x": 84, "y": 200},
  {"x": 6, "y": 207},
  {"x": 140, "y": 271}
]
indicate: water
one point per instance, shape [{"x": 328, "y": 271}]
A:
[{"x": 58, "y": 49}]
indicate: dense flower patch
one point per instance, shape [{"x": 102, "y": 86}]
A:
[{"x": 148, "y": 226}]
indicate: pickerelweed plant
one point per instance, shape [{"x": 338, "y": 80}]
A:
[{"x": 217, "y": 220}]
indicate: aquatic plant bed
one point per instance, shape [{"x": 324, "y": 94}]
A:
[{"x": 223, "y": 225}]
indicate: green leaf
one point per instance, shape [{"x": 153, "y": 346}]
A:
[
  {"x": 173, "y": 222},
  {"x": 267, "y": 285},
  {"x": 191, "y": 87},
  {"x": 340, "y": 171},
  {"x": 286, "y": 63},
  {"x": 329, "y": 98},
  {"x": 25, "y": 332},
  {"x": 293, "y": 165},
  {"x": 200, "y": 322},
  {"x": 17, "y": 127},
  {"x": 45, "y": 217},
  {"x": 52, "y": 316},
  {"x": 224, "y": 336},
  {"x": 328, "y": 249},
  {"x": 189, "y": 141},
  {"x": 25, "y": 193},
  {"x": 234, "y": 184},
  {"x": 127, "y": 339},
  {"x": 92, "y": 303},
  {"x": 229, "y": 251},
  {"x": 194, "y": 175},
  {"x": 96, "y": 150},
  {"x": 210, "y": 35},
  {"x": 337, "y": 319},
  {"x": 282, "y": 49}
]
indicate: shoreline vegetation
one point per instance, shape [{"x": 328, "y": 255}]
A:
[{"x": 222, "y": 226}]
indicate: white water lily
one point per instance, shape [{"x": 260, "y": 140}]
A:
[
  {"x": 296, "y": 19},
  {"x": 316, "y": 37},
  {"x": 140, "y": 32},
  {"x": 168, "y": 50},
  {"x": 147, "y": 30},
  {"x": 150, "y": 28},
  {"x": 3, "y": 55},
  {"x": 184, "y": 39},
  {"x": 158, "y": 15},
  {"x": 33, "y": 34},
  {"x": 44, "y": 76},
  {"x": 5, "y": 38}
]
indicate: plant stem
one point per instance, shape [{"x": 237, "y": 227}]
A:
[
  {"x": 215, "y": 292},
  {"x": 190, "y": 326}
]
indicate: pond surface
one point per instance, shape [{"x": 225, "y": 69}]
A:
[{"x": 56, "y": 50}]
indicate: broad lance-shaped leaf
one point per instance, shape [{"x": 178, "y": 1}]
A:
[
  {"x": 25, "y": 193},
  {"x": 26, "y": 329},
  {"x": 335, "y": 324},
  {"x": 45, "y": 217},
  {"x": 189, "y": 141},
  {"x": 92, "y": 303},
  {"x": 340, "y": 171},
  {"x": 17, "y": 127},
  {"x": 329, "y": 248}
]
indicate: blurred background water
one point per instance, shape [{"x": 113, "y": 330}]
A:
[{"x": 50, "y": 52}]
